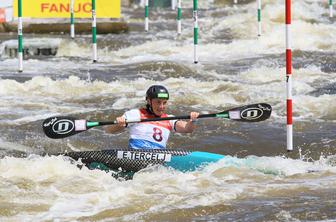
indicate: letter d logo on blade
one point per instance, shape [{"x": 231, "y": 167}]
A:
[
  {"x": 251, "y": 113},
  {"x": 63, "y": 126}
]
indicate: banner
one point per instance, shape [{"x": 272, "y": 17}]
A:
[{"x": 61, "y": 8}]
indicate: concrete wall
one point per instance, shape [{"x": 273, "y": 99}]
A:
[{"x": 83, "y": 27}]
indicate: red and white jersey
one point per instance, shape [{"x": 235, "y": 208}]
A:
[{"x": 148, "y": 135}]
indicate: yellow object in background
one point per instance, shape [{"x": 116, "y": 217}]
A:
[{"x": 61, "y": 8}]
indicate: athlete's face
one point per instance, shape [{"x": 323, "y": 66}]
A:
[{"x": 159, "y": 106}]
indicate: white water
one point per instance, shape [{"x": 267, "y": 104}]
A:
[
  {"x": 236, "y": 68},
  {"x": 153, "y": 191}
]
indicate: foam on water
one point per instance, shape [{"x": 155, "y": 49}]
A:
[
  {"x": 70, "y": 192},
  {"x": 307, "y": 18},
  {"x": 245, "y": 43},
  {"x": 64, "y": 96}
]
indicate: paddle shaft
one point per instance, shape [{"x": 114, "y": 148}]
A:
[{"x": 160, "y": 119}]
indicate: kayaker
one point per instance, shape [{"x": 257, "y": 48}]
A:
[{"x": 152, "y": 135}]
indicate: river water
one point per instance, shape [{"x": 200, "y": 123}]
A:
[{"x": 258, "y": 181}]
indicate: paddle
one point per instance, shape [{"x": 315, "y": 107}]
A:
[{"x": 64, "y": 126}]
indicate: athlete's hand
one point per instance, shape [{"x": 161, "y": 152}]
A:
[
  {"x": 193, "y": 116},
  {"x": 121, "y": 121}
]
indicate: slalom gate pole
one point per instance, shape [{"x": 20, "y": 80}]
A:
[
  {"x": 259, "y": 17},
  {"x": 195, "y": 12},
  {"x": 72, "y": 20},
  {"x": 179, "y": 16},
  {"x": 289, "y": 77},
  {"x": 146, "y": 15},
  {"x": 20, "y": 46},
  {"x": 94, "y": 31}
]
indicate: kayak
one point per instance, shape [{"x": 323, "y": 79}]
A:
[
  {"x": 59, "y": 127},
  {"x": 133, "y": 160},
  {"x": 123, "y": 163}
]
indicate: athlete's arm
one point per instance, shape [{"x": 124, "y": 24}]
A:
[{"x": 186, "y": 126}]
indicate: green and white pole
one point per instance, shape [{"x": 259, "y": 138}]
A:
[
  {"x": 94, "y": 31},
  {"x": 72, "y": 19},
  {"x": 146, "y": 15},
  {"x": 20, "y": 46},
  {"x": 259, "y": 17},
  {"x": 179, "y": 16},
  {"x": 330, "y": 8},
  {"x": 195, "y": 31}
]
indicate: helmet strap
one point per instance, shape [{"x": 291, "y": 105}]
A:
[{"x": 150, "y": 109}]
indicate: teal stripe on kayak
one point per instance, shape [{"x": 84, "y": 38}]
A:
[{"x": 193, "y": 161}]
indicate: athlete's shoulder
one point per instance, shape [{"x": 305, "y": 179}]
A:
[{"x": 132, "y": 113}]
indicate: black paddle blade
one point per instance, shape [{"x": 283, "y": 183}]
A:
[
  {"x": 251, "y": 113},
  {"x": 62, "y": 126}
]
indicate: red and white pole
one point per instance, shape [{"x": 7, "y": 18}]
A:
[{"x": 289, "y": 77}]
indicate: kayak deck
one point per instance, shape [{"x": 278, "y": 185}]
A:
[{"x": 133, "y": 160}]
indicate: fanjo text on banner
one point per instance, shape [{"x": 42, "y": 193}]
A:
[{"x": 61, "y": 8}]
